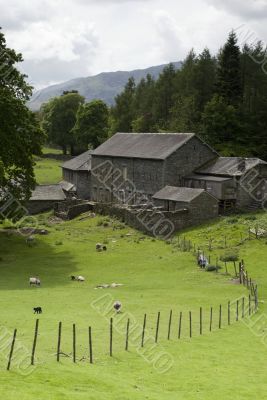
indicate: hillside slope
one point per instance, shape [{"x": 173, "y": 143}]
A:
[{"x": 104, "y": 86}]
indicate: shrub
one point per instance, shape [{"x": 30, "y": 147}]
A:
[
  {"x": 229, "y": 256},
  {"x": 211, "y": 268}
]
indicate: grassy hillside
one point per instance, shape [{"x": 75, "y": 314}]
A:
[
  {"x": 157, "y": 276},
  {"x": 47, "y": 169}
]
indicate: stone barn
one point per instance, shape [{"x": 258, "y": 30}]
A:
[
  {"x": 44, "y": 198},
  {"x": 77, "y": 176},
  {"x": 136, "y": 165}
]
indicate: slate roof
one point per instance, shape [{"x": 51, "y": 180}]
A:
[
  {"x": 79, "y": 163},
  {"x": 209, "y": 178},
  {"x": 143, "y": 145},
  {"x": 174, "y": 193},
  {"x": 48, "y": 192},
  {"x": 229, "y": 166},
  {"x": 67, "y": 186}
]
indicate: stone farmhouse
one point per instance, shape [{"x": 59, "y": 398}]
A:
[
  {"x": 138, "y": 165},
  {"x": 163, "y": 175}
]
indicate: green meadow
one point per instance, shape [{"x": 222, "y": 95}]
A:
[
  {"x": 226, "y": 363},
  {"x": 48, "y": 169}
]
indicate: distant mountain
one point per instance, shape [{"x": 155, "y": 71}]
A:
[{"x": 104, "y": 86}]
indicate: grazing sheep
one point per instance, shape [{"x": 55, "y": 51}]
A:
[
  {"x": 98, "y": 247},
  {"x": 77, "y": 278},
  {"x": 34, "y": 281},
  {"x": 117, "y": 306},
  {"x": 37, "y": 310}
]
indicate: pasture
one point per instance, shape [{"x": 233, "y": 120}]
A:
[
  {"x": 48, "y": 169},
  {"x": 227, "y": 363}
]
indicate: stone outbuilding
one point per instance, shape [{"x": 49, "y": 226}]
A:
[
  {"x": 44, "y": 198},
  {"x": 200, "y": 204},
  {"x": 234, "y": 181},
  {"x": 77, "y": 176}
]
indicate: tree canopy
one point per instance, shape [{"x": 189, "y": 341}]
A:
[
  {"x": 20, "y": 133},
  {"x": 91, "y": 127},
  {"x": 222, "y": 98},
  {"x": 59, "y": 118}
]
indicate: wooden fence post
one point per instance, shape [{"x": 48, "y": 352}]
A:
[
  {"x": 210, "y": 318},
  {"x": 157, "y": 328},
  {"x": 237, "y": 309},
  {"x": 143, "y": 331},
  {"x": 200, "y": 320},
  {"x": 127, "y": 335},
  {"x": 220, "y": 316},
  {"x": 11, "y": 349},
  {"x": 59, "y": 340},
  {"x": 228, "y": 313},
  {"x": 190, "y": 324},
  {"x": 169, "y": 326},
  {"x": 243, "y": 307},
  {"x": 180, "y": 325},
  {"x": 110, "y": 336},
  {"x": 34, "y": 341},
  {"x": 74, "y": 342},
  {"x": 90, "y": 345}
]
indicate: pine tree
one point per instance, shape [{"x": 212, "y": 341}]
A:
[{"x": 229, "y": 83}]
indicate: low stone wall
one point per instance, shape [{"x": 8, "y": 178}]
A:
[
  {"x": 39, "y": 206},
  {"x": 152, "y": 221}
]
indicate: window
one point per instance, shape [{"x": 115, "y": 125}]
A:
[{"x": 124, "y": 173}]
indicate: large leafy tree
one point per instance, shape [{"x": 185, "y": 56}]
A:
[
  {"x": 20, "y": 134},
  {"x": 59, "y": 119},
  {"x": 91, "y": 127}
]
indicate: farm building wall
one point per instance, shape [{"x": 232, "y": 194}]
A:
[
  {"x": 82, "y": 181},
  {"x": 39, "y": 206},
  {"x": 118, "y": 179},
  {"x": 185, "y": 160}
]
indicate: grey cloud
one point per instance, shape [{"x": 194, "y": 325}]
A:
[
  {"x": 15, "y": 15},
  {"x": 256, "y": 9}
]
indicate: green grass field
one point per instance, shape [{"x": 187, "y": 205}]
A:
[
  {"x": 48, "y": 170},
  {"x": 228, "y": 363}
]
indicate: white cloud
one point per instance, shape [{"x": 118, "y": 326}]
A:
[{"x": 168, "y": 42}]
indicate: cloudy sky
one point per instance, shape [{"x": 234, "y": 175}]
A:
[{"x": 64, "y": 39}]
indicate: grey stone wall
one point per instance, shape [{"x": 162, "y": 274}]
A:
[
  {"x": 160, "y": 222},
  {"x": 133, "y": 176},
  {"x": 186, "y": 160},
  {"x": 39, "y": 206},
  {"x": 82, "y": 181}
]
